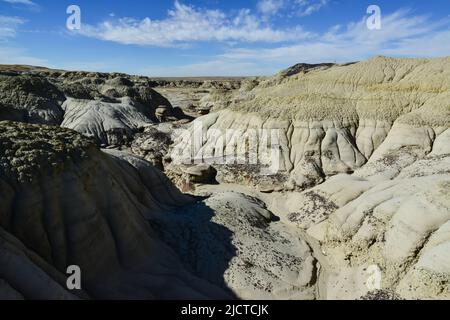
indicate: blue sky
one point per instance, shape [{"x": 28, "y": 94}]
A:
[{"x": 212, "y": 37}]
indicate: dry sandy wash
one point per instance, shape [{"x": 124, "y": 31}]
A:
[{"x": 359, "y": 208}]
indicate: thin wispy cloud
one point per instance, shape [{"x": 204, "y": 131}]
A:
[
  {"x": 260, "y": 40},
  {"x": 289, "y": 8},
  {"x": 9, "y": 26},
  {"x": 187, "y": 24},
  {"x": 308, "y": 7},
  {"x": 270, "y": 7},
  {"x": 22, "y": 2},
  {"x": 402, "y": 34}
]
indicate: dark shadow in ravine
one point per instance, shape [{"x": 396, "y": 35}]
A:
[{"x": 204, "y": 247}]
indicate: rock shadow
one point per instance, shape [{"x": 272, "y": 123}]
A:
[{"x": 204, "y": 247}]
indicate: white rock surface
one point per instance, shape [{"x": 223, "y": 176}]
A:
[
  {"x": 108, "y": 123},
  {"x": 396, "y": 219},
  {"x": 376, "y": 133},
  {"x": 331, "y": 120}
]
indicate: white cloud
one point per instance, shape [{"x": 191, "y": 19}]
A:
[
  {"x": 308, "y": 7},
  {"x": 289, "y": 8},
  {"x": 270, "y": 7},
  {"x": 186, "y": 24},
  {"x": 12, "y": 55},
  {"x": 433, "y": 45},
  {"x": 400, "y": 35},
  {"x": 8, "y": 26},
  {"x": 24, "y": 2}
]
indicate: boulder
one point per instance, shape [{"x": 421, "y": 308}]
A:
[
  {"x": 204, "y": 174},
  {"x": 162, "y": 112}
]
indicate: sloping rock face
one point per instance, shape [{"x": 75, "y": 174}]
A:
[
  {"x": 132, "y": 233},
  {"x": 303, "y": 68},
  {"x": 393, "y": 213},
  {"x": 327, "y": 121},
  {"x": 30, "y": 99},
  {"x": 24, "y": 275},
  {"x": 388, "y": 220},
  {"x": 264, "y": 258},
  {"x": 110, "y": 123},
  {"x": 110, "y": 108},
  {"x": 373, "y": 138}
]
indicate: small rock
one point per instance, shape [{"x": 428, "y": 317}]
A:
[
  {"x": 204, "y": 174},
  {"x": 162, "y": 112}
]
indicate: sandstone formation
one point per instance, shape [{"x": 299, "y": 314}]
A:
[
  {"x": 327, "y": 121},
  {"x": 132, "y": 233},
  {"x": 374, "y": 137},
  {"x": 111, "y": 108},
  {"x": 395, "y": 219},
  {"x": 322, "y": 182}
]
